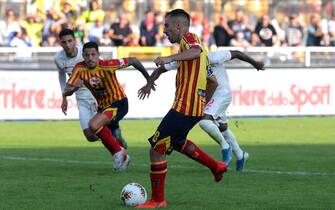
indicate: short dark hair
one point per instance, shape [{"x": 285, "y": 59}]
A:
[
  {"x": 66, "y": 32},
  {"x": 91, "y": 4},
  {"x": 179, "y": 13},
  {"x": 91, "y": 45}
]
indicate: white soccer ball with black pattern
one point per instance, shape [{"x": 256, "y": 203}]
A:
[{"x": 133, "y": 194}]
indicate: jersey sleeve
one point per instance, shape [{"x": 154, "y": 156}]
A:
[
  {"x": 62, "y": 79},
  {"x": 74, "y": 76},
  {"x": 57, "y": 63},
  {"x": 115, "y": 64},
  {"x": 171, "y": 65},
  {"x": 219, "y": 57},
  {"x": 190, "y": 40},
  {"x": 61, "y": 72}
]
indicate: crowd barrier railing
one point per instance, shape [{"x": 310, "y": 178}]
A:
[{"x": 276, "y": 57}]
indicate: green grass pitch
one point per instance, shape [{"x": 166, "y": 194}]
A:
[{"x": 49, "y": 165}]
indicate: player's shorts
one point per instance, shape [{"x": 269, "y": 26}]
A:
[
  {"x": 87, "y": 109},
  {"x": 118, "y": 108},
  {"x": 172, "y": 132},
  {"x": 218, "y": 105}
]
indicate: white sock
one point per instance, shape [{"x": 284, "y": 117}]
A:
[
  {"x": 212, "y": 129},
  {"x": 229, "y": 136}
]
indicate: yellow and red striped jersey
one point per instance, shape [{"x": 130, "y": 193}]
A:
[
  {"x": 101, "y": 81},
  {"x": 191, "y": 79}
]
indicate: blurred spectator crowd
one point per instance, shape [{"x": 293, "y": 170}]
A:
[{"x": 89, "y": 24}]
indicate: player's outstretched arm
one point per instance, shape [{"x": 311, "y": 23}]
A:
[
  {"x": 139, "y": 66},
  {"x": 145, "y": 90},
  {"x": 244, "y": 57},
  {"x": 189, "y": 54},
  {"x": 70, "y": 89}
]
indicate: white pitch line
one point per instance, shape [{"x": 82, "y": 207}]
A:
[
  {"x": 260, "y": 171},
  {"x": 295, "y": 173}
]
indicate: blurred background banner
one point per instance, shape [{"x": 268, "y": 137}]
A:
[
  {"x": 35, "y": 95},
  {"x": 282, "y": 92},
  {"x": 295, "y": 39},
  {"x": 32, "y": 95}
]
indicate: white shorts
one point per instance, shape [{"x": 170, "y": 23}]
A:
[
  {"x": 218, "y": 105},
  {"x": 87, "y": 109}
]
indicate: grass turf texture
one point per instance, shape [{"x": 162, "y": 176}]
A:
[{"x": 49, "y": 165}]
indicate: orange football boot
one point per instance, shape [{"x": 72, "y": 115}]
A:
[
  {"x": 151, "y": 204},
  {"x": 220, "y": 169}
]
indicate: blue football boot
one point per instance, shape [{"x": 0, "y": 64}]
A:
[
  {"x": 227, "y": 155},
  {"x": 240, "y": 163}
]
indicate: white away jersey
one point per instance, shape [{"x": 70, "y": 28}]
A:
[
  {"x": 65, "y": 66},
  {"x": 216, "y": 67},
  {"x": 222, "y": 96},
  {"x": 216, "y": 60}
]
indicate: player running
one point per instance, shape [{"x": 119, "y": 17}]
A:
[
  {"x": 215, "y": 121},
  {"x": 65, "y": 60},
  {"x": 99, "y": 77}
]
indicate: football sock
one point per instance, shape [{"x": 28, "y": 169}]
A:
[
  {"x": 194, "y": 152},
  {"x": 213, "y": 131},
  {"x": 157, "y": 177},
  {"x": 230, "y": 137},
  {"x": 108, "y": 140}
]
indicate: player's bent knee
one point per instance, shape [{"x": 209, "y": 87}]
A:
[
  {"x": 90, "y": 136},
  {"x": 223, "y": 127},
  {"x": 93, "y": 127}
]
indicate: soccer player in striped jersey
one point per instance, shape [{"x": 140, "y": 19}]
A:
[
  {"x": 65, "y": 60},
  {"x": 219, "y": 96},
  {"x": 99, "y": 77},
  {"x": 186, "y": 110}
]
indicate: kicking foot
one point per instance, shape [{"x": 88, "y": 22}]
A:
[{"x": 151, "y": 204}]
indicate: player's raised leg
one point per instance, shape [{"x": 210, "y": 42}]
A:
[
  {"x": 194, "y": 152},
  {"x": 181, "y": 125},
  {"x": 170, "y": 135},
  {"x": 98, "y": 125},
  {"x": 122, "y": 110}
]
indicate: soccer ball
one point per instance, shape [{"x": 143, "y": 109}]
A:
[{"x": 133, "y": 194}]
